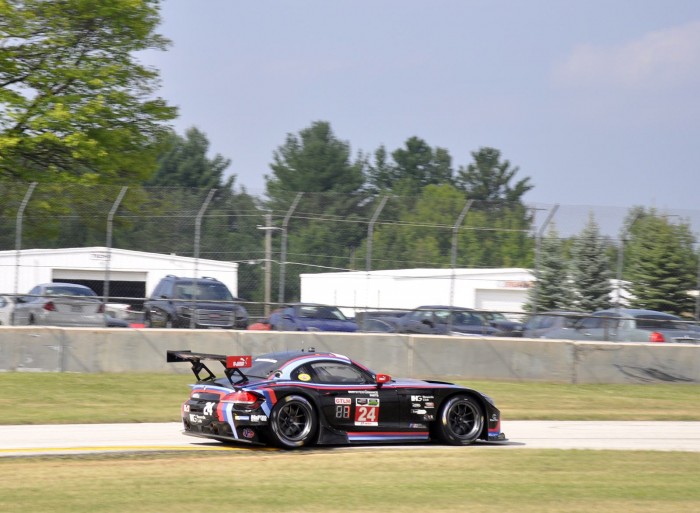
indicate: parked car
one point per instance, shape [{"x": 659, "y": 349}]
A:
[
  {"x": 311, "y": 317},
  {"x": 180, "y": 302},
  {"x": 500, "y": 321},
  {"x": 373, "y": 321},
  {"x": 7, "y": 307},
  {"x": 629, "y": 325},
  {"x": 59, "y": 304},
  {"x": 296, "y": 399},
  {"x": 540, "y": 323},
  {"x": 444, "y": 320}
]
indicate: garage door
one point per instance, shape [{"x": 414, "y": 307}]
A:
[{"x": 500, "y": 300}]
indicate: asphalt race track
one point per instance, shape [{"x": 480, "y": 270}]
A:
[{"x": 105, "y": 438}]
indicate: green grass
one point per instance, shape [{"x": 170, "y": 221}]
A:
[
  {"x": 70, "y": 398},
  {"x": 441, "y": 480}
]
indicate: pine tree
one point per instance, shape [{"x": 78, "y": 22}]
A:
[
  {"x": 590, "y": 269},
  {"x": 662, "y": 265},
  {"x": 552, "y": 290}
]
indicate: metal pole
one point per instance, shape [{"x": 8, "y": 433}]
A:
[
  {"x": 453, "y": 260},
  {"x": 197, "y": 241},
  {"x": 268, "y": 261},
  {"x": 621, "y": 260},
  {"x": 110, "y": 222},
  {"x": 538, "y": 243},
  {"x": 370, "y": 232},
  {"x": 283, "y": 256},
  {"x": 18, "y": 231}
]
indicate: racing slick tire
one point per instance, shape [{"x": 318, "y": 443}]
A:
[
  {"x": 460, "y": 422},
  {"x": 293, "y": 423}
]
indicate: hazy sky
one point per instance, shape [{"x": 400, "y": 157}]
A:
[{"x": 597, "y": 101}]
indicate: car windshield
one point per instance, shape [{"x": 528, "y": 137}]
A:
[
  {"x": 203, "y": 291},
  {"x": 321, "y": 312},
  {"x": 68, "y": 291}
]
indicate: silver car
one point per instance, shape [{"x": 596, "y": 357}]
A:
[
  {"x": 629, "y": 325},
  {"x": 59, "y": 304}
]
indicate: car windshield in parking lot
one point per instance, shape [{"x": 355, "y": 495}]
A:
[
  {"x": 68, "y": 291},
  {"x": 205, "y": 291}
]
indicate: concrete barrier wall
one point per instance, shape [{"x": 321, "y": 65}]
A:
[{"x": 48, "y": 349}]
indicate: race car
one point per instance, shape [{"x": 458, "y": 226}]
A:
[{"x": 301, "y": 398}]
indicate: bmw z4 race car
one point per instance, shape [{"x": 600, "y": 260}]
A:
[{"x": 300, "y": 398}]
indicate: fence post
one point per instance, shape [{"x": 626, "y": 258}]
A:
[
  {"x": 283, "y": 255},
  {"x": 18, "y": 232},
  {"x": 538, "y": 243},
  {"x": 110, "y": 222},
  {"x": 453, "y": 261},
  {"x": 370, "y": 232},
  {"x": 197, "y": 240}
]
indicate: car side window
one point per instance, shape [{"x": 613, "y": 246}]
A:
[
  {"x": 303, "y": 373},
  {"x": 335, "y": 372}
]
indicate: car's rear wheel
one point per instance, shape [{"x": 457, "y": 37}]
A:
[
  {"x": 461, "y": 421},
  {"x": 293, "y": 423}
]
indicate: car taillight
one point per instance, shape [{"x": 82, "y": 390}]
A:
[
  {"x": 241, "y": 397},
  {"x": 655, "y": 336},
  {"x": 49, "y": 306}
]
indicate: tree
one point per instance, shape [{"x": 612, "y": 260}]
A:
[
  {"x": 590, "y": 269},
  {"x": 75, "y": 104},
  {"x": 328, "y": 229},
  {"x": 314, "y": 161},
  {"x": 417, "y": 166},
  {"x": 552, "y": 289},
  {"x": 661, "y": 264},
  {"x": 488, "y": 178},
  {"x": 184, "y": 163}
]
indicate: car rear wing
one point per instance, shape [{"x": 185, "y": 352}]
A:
[{"x": 232, "y": 364}]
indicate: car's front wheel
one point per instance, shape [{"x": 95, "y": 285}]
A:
[
  {"x": 461, "y": 421},
  {"x": 293, "y": 423}
]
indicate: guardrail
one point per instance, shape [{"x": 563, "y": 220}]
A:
[{"x": 47, "y": 349}]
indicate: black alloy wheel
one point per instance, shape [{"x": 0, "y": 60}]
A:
[
  {"x": 293, "y": 423},
  {"x": 461, "y": 421}
]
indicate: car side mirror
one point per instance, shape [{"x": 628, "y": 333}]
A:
[{"x": 382, "y": 378}]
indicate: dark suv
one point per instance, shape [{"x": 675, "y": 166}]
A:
[{"x": 179, "y": 302}]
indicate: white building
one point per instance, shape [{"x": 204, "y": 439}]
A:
[
  {"x": 502, "y": 290},
  {"x": 131, "y": 274}
]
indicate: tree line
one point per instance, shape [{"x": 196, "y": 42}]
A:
[{"x": 77, "y": 109}]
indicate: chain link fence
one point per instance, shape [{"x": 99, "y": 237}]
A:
[{"x": 274, "y": 241}]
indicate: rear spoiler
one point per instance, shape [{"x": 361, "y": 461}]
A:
[{"x": 232, "y": 364}]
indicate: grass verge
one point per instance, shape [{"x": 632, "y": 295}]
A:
[
  {"x": 441, "y": 480},
  {"x": 73, "y": 398}
]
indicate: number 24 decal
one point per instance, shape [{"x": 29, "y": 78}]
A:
[{"x": 366, "y": 415}]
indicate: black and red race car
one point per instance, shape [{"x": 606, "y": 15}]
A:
[{"x": 300, "y": 398}]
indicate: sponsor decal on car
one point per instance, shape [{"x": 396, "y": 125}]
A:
[
  {"x": 343, "y": 400},
  {"x": 419, "y": 412},
  {"x": 366, "y": 411},
  {"x": 304, "y": 377},
  {"x": 258, "y": 418},
  {"x": 421, "y": 398},
  {"x": 248, "y": 433},
  {"x": 208, "y": 409},
  {"x": 370, "y": 393},
  {"x": 197, "y": 419}
]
